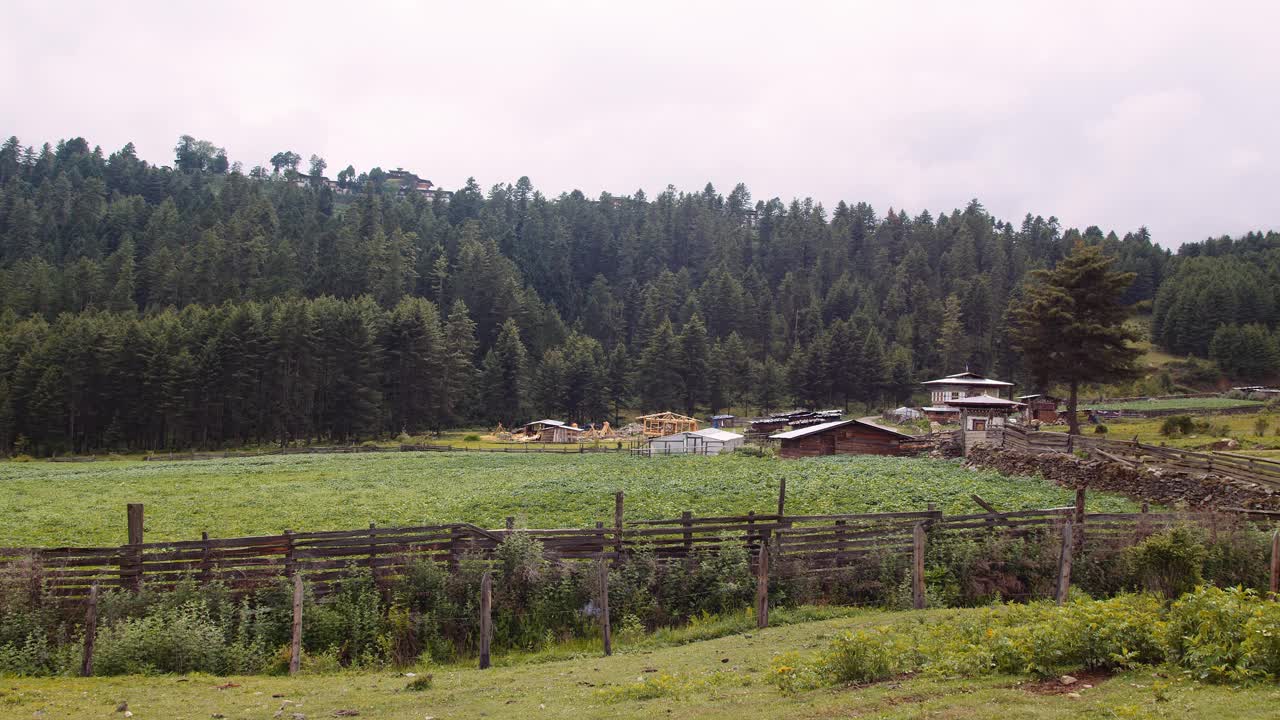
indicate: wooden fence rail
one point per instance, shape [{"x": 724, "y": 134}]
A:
[
  {"x": 819, "y": 543},
  {"x": 1262, "y": 472}
]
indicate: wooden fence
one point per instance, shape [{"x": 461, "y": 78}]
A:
[
  {"x": 1262, "y": 472},
  {"x": 811, "y": 543},
  {"x": 816, "y": 543}
]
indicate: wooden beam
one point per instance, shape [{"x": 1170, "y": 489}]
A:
[
  {"x": 486, "y": 617},
  {"x": 295, "y": 642}
]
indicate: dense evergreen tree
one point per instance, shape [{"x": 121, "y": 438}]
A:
[
  {"x": 145, "y": 306},
  {"x": 1070, "y": 328}
]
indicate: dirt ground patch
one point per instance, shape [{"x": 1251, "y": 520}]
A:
[{"x": 1084, "y": 680}]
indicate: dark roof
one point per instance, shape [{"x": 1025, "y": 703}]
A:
[
  {"x": 985, "y": 401},
  {"x": 813, "y": 429}
]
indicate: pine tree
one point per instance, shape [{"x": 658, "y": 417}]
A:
[
  {"x": 658, "y": 378},
  {"x": 458, "y": 373},
  {"x": 619, "y": 380},
  {"x": 504, "y": 380},
  {"x": 1070, "y": 327},
  {"x": 693, "y": 364}
]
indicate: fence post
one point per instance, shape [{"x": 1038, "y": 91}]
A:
[
  {"x": 91, "y": 631},
  {"x": 617, "y": 524},
  {"x": 686, "y": 521},
  {"x": 1275, "y": 562},
  {"x": 606, "y": 630},
  {"x": 295, "y": 644},
  {"x": 917, "y": 566},
  {"x": 1078, "y": 516},
  {"x": 486, "y": 617},
  {"x": 511, "y": 525},
  {"x": 133, "y": 556},
  {"x": 782, "y": 498},
  {"x": 1064, "y": 564},
  {"x": 206, "y": 555},
  {"x": 762, "y": 584},
  {"x": 373, "y": 554}
]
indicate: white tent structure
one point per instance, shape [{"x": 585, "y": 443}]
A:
[
  {"x": 696, "y": 442},
  {"x": 906, "y": 414}
]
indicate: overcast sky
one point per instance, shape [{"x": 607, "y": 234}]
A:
[{"x": 1116, "y": 114}]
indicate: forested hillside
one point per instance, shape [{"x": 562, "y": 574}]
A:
[{"x": 149, "y": 306}]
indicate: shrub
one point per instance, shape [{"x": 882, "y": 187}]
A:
[
  {"x": 1176, "y": 425},
  {"x": 177, "y": 640},
  {"x": 1100, "y": 429},
  {"x": 472, "y": 437},
  {"x": 1170, "y": 563},
  {"x": 1205, "y": 633},
  {"x": 419, "y": 684},
  {"x": 1260, "y": 425}
]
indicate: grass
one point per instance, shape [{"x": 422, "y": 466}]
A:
[
  {"x": 719, "y": 678},
  {"x": 1240, "y": 427},
  {"x": 83, "y": 503},
  {"x": 1215, "y": 403}
]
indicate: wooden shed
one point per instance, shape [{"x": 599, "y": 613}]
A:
[
  {"x": 841, "y": 437},
  {"x": 553, "y": 431},
  {"x": 1041, "y": 408}
]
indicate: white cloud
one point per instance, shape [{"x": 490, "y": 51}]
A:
[{"x": 1114, "y": 114}]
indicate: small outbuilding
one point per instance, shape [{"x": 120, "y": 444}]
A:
[
  {"x": 553, "y": 431},
  {"x": 1040, "y": 408},
  {"x": 696, "y": 442},
  {"x": 842, "y": 437},
  {"x": 724, "y": 421},
  {"x": 983, "y": 416}
]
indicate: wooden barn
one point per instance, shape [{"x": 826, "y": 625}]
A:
[
  {"x": 841, "y": 437},
  {"x": 1040, "y": 408},
  {"x": 553, "y": 431}
]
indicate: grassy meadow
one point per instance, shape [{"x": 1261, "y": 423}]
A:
[
  {"x": 1191, "y": 404},
  {"x": 726, "y": 677},
  {"x": 51, "y": 504}
]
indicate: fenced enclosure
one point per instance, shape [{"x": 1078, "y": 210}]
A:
[
  {"x": 852, "y": 559},
  {"x": 1258, "y": 471},
  {"x": 818, "y": 543}
]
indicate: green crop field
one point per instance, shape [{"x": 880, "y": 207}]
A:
[
  {"x": 726, "y": 677},
  {"x": 84, "y": 503},
  {"x": 1214, "y": 403}
]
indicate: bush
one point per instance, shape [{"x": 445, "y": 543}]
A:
[
  {"x": 1169, "y": 563},
  {"x": 471, "y": 438},
  {"x": 1260, "y": 425},
  {"x": 1205, "y": 634},
  {"x": 177, "y": 640},
  {"x": 1176, "y": 425},
  {"x": 1212, "y": 634},
  {"x": 1100, "y": 429}
]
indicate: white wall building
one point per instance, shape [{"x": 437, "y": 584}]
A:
[{"x": 696, "y": 442}]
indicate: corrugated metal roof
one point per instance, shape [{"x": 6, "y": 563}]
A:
[
  {"x": 984, "y": 401},
  {"x": 803, "y": 432},
  {"x": 717, "y": 434},
  {"x": 793, "y": 434},
  {"x": 969, "y": 381}
]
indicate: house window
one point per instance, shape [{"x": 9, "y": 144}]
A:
[{"x": 980, "y": 424}]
